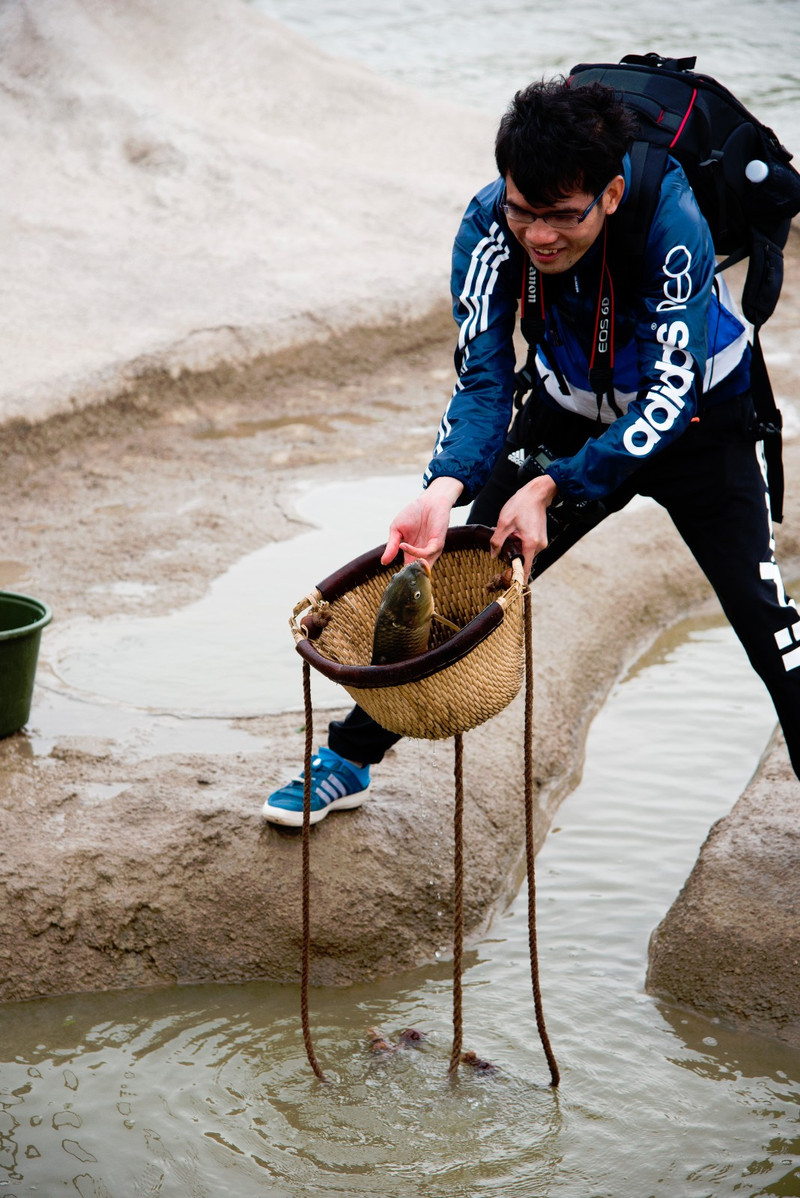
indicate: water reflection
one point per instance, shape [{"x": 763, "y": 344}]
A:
[
  {"x": 256, "y": 1112},
  {"x": 713, "y": 1050}
]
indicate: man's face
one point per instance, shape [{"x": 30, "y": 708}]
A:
[{"x": 555, "y": 250}]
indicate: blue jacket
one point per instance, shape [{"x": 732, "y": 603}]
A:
[{"x": 677, "y": 342}]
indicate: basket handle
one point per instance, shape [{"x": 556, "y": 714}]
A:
[
  {"x": 517, "y": 584},
  {"x": 310, "y": 626}
]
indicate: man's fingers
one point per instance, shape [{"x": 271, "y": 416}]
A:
[
  {"x": 505, "y": 542},
  {"x": 508, "y": 545},
  {"x": 430, "y": 551},
  {"x": 392, "y": 546}
]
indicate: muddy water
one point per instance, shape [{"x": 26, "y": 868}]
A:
[
  {"x": 230, "y": 654},
  {"x": 204, "y": 1091}
]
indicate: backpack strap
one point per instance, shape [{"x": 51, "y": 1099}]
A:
[
  {"x": 648, "y": 163},
  {"x": 651, "y": 59},
  {"x": 764, "y": 279},
  {"x": 630, "y": 224}
]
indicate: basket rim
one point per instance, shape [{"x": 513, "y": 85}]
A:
[
  {"x": 364, "y": 567},
  {"x": 369, "y": 677}
]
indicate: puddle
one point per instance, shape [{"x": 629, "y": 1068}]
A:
[
  {"x": 231, "y": 653},
  {"x": 251, "y": 428},
  {"x": 140, "y": 735}
]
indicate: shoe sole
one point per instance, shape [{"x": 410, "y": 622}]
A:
[{"x": 294, "y": 819}]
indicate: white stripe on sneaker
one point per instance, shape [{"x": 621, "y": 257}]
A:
[{"x": 331, "y": 788}]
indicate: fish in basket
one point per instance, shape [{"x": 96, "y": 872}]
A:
[
  {"x": 405, "y": 617},
  {"x": 464, "y": 676}
]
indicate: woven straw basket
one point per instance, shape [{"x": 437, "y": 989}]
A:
[{"x": 463, "y": 679}]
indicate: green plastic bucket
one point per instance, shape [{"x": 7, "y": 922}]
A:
[{"x": 21, "y": 622}]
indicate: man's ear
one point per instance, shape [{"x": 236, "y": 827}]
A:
[{"x": 614, "y": 193}]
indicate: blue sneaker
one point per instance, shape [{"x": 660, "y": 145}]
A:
[{"x": 336, "y": 785}]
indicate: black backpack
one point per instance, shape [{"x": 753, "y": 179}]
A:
[
  {"x": 738, "y": 170},
  {"x": 742, "y": 179}
]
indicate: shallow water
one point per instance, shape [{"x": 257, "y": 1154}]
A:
[
  {"x": 230, "y": 654},
  {"x": 202, "y": 1091},
  {"x": 478, "y": 54}
]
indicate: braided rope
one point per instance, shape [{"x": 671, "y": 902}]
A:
[
  {"x": 458, "y": 871},
  {"x": 530, "y": 844},
  {"x": 458, "y": 903},
  {"x": 312, "y": 1060}
]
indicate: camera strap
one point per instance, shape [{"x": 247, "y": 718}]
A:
[
  {"x": 601, "y": 363},
  {"x": 533, "y": 320}
]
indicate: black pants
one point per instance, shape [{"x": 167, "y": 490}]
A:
[{"x": 712, "y": 483}]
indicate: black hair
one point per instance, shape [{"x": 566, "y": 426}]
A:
[{"x": 555, "y": 139}]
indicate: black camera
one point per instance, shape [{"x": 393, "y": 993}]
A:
[
  {"x": 562, "y": 510},
  {"x": 533, "y": 464}
]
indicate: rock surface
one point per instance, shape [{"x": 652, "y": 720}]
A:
[{"x": 730, "y": 944}]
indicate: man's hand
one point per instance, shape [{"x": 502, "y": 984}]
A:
[
  {"x": 524, "y": 517},
  {"x": 421, "y": 527}
]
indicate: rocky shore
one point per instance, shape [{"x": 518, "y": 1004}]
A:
[
  {"x": 184, "y": 268},
  {"x": 729, "y": 944}
]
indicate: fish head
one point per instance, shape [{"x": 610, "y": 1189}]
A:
[{"x": 409, "y": 596}]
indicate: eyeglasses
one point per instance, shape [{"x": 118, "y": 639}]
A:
[{"x": 556, "y": 220}]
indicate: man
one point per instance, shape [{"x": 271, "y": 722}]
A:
[{"x": 677, "y": 423}]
